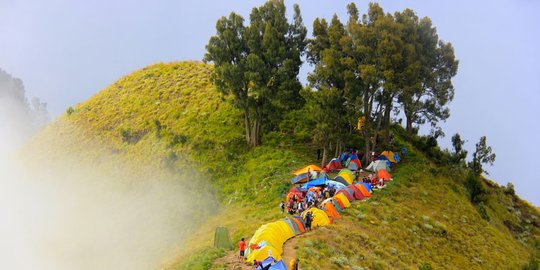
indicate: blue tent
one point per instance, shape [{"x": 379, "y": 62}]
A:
[
  {"x": 334, "y": 183},
  {"x": 366, "y": 185},
  {"x": 279, "y": 266},
  {"x": 299, "y": 178},
  {"x": 396, "y": 157},
  {"x": 381, "y": 157},
  {"x": 317, "y": 182}
]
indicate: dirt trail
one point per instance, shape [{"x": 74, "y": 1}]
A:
[{"x": 231, "y": 261}]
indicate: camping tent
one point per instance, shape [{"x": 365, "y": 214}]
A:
[
  {"x": 295, "y": 191},
  {"x": 367, "y": 186},
  {"x": 301, "y": 178},
  {"x": 347, "y": 171},
  {"x": 389, "y": 155},
  {"x": 341, "y": 180},
  {"x": 384, "y": 174},
  {"x": 335, "y": 183},
  {"x": 330, "y": 209},
  {"x": 347, "y": 194},
  {"x": 320, "y": 218},
  {"x": 347, "y": 175},
  {"x": 222, "y": 238},
  {"x": 307, "y": 168},
  {"x": 342, "y": 200},
  {"x": 280, "y": 265},
  {"x": 294, "y": 226},
  {"x": 300, "y": 222},
  {"x": 317, "y": 182},
  {"x": 353, "y": 164},
  {"x": 362, "y": 188},
  {"x": 378, "y": 165},
  {"x": 333, "y": 165},
  {"x": 357, "y": 193},
  {"x": 335, "y": 203},
  {"x": 273, "y": 235}
]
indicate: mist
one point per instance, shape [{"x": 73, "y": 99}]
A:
[{"x": 69, "y": 214}]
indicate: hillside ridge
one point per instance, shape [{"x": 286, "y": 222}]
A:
[{"x": 170, "y": 118}]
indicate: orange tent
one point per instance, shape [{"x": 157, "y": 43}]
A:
[
  {"x": 299, "y": 223},
  {"x": 384, "y": 174},
  {"x": 308, "y": 168},
  {"x": 331, "y": 210},
  {"x": 363, "y": 190}
]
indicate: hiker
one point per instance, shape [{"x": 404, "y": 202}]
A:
[
  {"x": 293, "y": 264},
  {"x": 282, "y": 207},
  {"x": 300, "y": 208},
  {"x": 257, "y": 264},
  {"x": 308, "y": 220},
  {"x": 381, "y": 182},
  {"x": 290, "y": 206},
  {"x": 242, "y": 247}
]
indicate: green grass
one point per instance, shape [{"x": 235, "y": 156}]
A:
[{"x": 169, "y": 120}]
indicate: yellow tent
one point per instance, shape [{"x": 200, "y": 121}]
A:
[
  {"x": 347, "y": 177},
  {"x": 308, "y": 168},
  {"x": 389, "y": 155},
  {"x": 341, "y": 197},
  {"x": 274, "y": 234},
  {"x": 320, "y": 218}
]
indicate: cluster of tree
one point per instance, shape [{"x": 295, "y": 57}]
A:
[
  {"x": 17, "y": 114},
  {"x": 374, "y": 65}
]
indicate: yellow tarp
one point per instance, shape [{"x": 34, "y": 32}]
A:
[
  {"x": 341, "y": 197},
  {"x": 389, "y": 155},
  {"x": 320, "y": 218},
  {"x": 308, "y": 168},
  {"x": 274, "y": 234}
]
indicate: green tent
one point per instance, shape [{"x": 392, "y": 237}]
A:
[{"x": 222, "y": 238}]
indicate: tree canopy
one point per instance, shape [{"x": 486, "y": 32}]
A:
[{"x": 259, "y": 63}]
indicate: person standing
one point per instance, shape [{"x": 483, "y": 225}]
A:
[
  {"x": 293, "y": 264},
  {"x": 282, "y": 207},
  {"x": 242, "y": 247}
]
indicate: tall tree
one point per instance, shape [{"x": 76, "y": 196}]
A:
[
  {"x": 259, "y": 64},
  {"x": 431, "y": 64},
  {"x": 459, "y": 154},
  {"x": 327, "y": 103},
  {"x": 482, "y": 155}
]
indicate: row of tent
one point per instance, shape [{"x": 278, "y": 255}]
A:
[
  {"x": 346, "y": 177},
  {"x": 353, "y": 163},
  {"x": 272, "y": 236}
]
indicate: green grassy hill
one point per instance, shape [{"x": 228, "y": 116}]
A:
[{"x": 168, "y": 119}]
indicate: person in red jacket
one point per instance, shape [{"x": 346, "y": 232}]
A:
[{"x": 242, "y": 247}]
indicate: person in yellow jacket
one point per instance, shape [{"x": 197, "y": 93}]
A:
[{"x": 293, "y": 264}]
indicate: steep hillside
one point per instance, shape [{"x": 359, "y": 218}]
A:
[{"x": 167, "y": 120}]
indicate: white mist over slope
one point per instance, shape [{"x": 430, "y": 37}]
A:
[{"x": 70, "y": 215}]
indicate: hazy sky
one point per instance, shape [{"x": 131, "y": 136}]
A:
[{"x": 66, "y": 51}]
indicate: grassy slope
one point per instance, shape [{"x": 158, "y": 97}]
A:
[
  {"x": 422, "y": 218},
  {"x": 168, "y": 117}
]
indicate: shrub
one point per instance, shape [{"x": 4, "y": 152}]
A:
[
  {"x": 425, "y": 266},
  {"x": 70, "y": 111}
]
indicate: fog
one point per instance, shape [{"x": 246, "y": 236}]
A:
[{"x": 65, "y": 214}]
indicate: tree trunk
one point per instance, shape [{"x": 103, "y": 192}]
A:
[
  {"x": 323, "y": 162},
  {"x": 255, "y": 132},
  {"x": 386, "y": 123},
  {"x": 247, "y": 124},
  {"x": 409, "y": 127}
]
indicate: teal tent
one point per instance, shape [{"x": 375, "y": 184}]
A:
[{"x": 222, "y": 239}]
